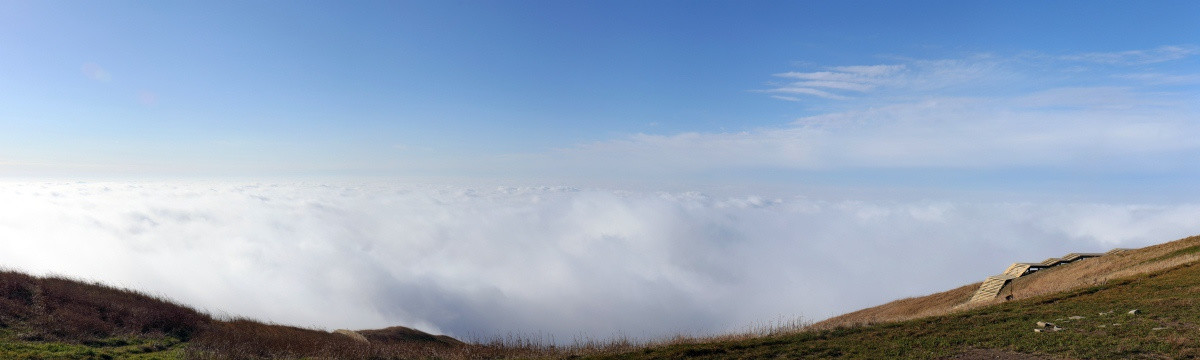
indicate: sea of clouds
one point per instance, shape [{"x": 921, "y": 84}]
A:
[{"x": 559, "y": 262}]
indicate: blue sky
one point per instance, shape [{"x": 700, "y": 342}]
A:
[
  {"x": 586, "y": 167},
  {"x": 545, "y": 91}
]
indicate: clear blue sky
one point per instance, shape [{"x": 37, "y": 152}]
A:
[{"x": 842, "y": 91}]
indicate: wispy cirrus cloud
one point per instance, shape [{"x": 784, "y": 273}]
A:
[
  {"x": 1136, "y": 57},
  {"x": 806, "y": 91},
  {"x": 839, "y": 79},
  {"x": 977, "y": 112},
  {"x": 972, "y": 74}
]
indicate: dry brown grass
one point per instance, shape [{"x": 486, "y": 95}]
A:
[
  {"x": 1086, "y": 272},
  {"x": 400, "y": 334},
  {"x": 54, "y": 310},
  {"x": 62, "y": 309},
  {"x": 1100, "y": 270},
  {"x": 903, "y": 309},
  {"x": 249, "y": 339}
]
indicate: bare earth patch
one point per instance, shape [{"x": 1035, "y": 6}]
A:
[{"x": 982, "y": 354}]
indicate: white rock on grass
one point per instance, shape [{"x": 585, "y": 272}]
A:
[
  {"x": 354, "y": 335},
  {"x": 1045, "y": 326}
]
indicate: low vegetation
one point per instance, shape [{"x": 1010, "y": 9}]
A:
[
  {"x": 1088, "y": 272},
  {"x": 1088, "y": 302},
  {"x": 1095, "y": 323},
  {"x": 60, "y": 318}
]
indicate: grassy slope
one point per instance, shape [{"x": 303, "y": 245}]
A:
[
  {"x": 51, "y": 318},
  {"x": 59, "y": 318},
  {"x": 1054, "y": 280},
  {"x": 1167, "y": 291}
]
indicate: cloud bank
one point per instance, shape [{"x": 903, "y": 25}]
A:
[{"x": 562, "y": 262}]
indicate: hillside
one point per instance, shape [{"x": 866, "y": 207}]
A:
[
  {"x": 59, "y": 318},
  {"x": 1089, "y": 302},
  {"x": 1092, "y": 271}
]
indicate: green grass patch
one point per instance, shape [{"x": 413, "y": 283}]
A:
[{"x": 163, "y": 348}]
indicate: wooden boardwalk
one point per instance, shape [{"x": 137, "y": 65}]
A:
[{"x": 991, "y": 286}]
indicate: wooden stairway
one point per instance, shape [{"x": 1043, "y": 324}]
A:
[{"x": 991, "y": 286}]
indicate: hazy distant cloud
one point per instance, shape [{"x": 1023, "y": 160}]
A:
[
  {"x": 1063, "y": 128},
  {"x": 1137, "y": 57},
  {"x": 1162, "y": 79},
  {"x": 553, "y": 260}
]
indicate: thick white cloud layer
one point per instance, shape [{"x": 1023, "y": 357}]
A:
[{"x": 557, "y": 261}]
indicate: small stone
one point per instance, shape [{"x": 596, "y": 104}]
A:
[
  {"x": 1044, "y": 324},
  {"x": 1159, "y": 328},
  {"x": 1134, "y": 312},
  {"x": 1057, "y": 329},
  {"x": 1076, "y": 318},
  {"x": 1038, "y": 330}
]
